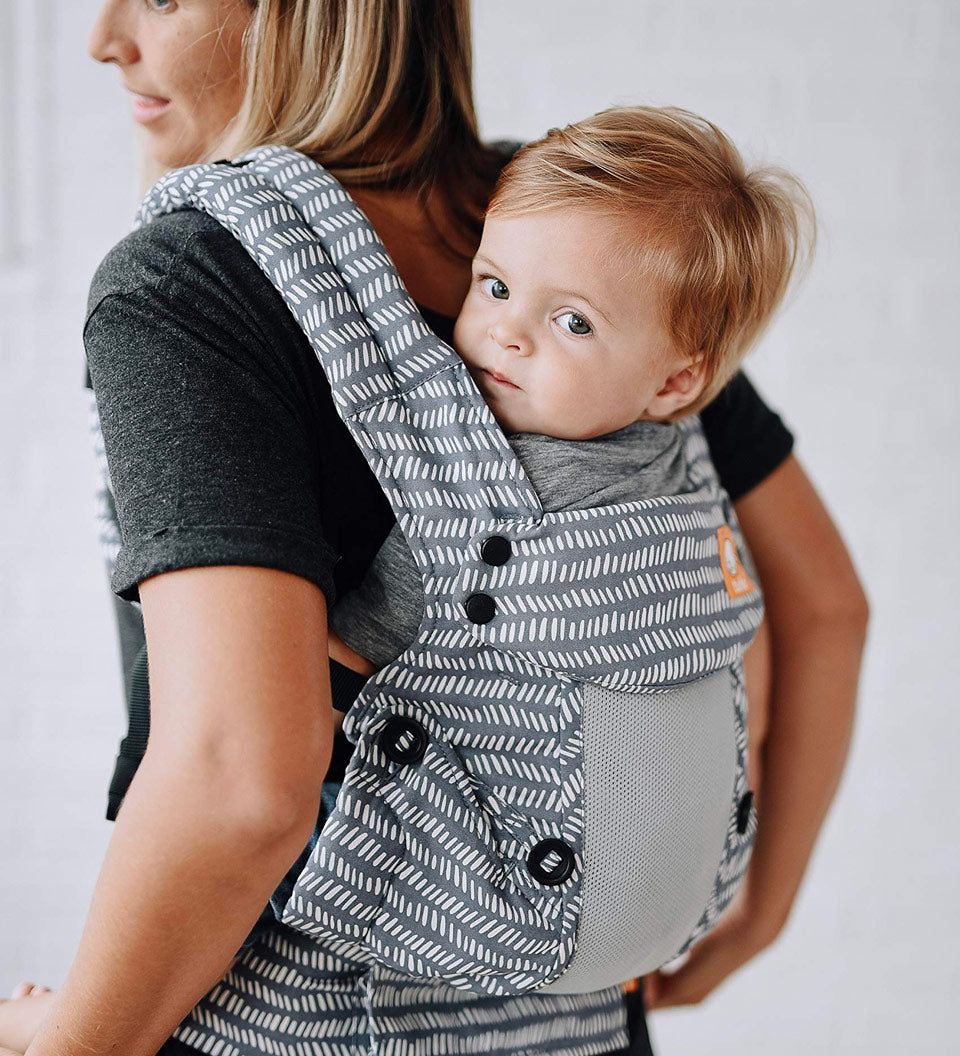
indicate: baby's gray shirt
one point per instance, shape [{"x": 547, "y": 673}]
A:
[{"x": 380, "y": 618}]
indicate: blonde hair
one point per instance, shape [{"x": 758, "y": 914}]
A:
[
  {"x": 378, "y": 91},
  {"x": 720, "y": 242}
]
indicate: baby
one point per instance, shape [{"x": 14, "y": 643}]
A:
[{"x": 627, "y": 264}]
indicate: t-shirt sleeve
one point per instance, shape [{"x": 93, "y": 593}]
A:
[
  {"x": 206, "y": 428},
  {"x": 747, "y": 440}
]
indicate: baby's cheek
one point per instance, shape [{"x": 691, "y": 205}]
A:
[
  {"x": 554, "y": 406},
  {"x": 458, "y": 335},
  {"x": 572, "y": 390},
  {"x": 467, "y": 331}
]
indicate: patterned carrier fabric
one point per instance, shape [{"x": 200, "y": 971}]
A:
[
  {"x": 446, "y": 887},
  {"x": 108, "y": 526}
]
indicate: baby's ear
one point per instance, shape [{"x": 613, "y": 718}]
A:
[{"x": 681, "y": 388}]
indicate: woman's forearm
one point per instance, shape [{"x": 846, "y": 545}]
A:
[
  {"x": 758, "y": 672},
  {"x": 817, "y": 613},
  {"x": 815, "y": 672},
  {"x": 185, "y": 876},
  {"x": 222, "y": 804}
]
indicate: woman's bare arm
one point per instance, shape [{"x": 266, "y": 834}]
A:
[
  {"x": 817, "y": 614},
  {"x": 223, "y": 803},
  {"x": 758, "y": 674}
]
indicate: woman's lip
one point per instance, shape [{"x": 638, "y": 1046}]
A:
[{"x": 147, "y": 108}]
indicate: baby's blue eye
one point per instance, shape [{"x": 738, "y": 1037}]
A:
[
  {"x": 495, "y": 287},
  {"x": 576, "y": 324}
]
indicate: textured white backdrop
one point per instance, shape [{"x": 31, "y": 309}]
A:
[{"x": 860, "y": 98}]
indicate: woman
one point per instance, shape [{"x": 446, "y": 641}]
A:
[{"x": 205, "y": 385}]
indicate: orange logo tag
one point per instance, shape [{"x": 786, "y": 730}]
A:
[{"x": 734, "y": 574}]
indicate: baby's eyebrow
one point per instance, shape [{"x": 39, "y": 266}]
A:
[
  {"x": 583, "y": 297},
  {"x": 479, "y": 258}
]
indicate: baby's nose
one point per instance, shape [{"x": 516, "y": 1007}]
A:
[{"x": 511, "y": 338}]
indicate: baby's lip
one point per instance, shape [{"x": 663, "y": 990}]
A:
[{"x": 498, "y": 377}]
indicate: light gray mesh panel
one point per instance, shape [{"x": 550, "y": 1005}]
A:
[{"x": 659, "y": 773}]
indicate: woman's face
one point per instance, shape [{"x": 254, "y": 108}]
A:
[{"x": 180, "y": 59}]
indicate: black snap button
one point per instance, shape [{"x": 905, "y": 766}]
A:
[
  {"x": 551, "y": 862},
  {"x": 743, "y": 812},
  {"x": 481, "y": 608},
  {"x": 495, "y": 550},
  {"x": 403, "y": 740}
]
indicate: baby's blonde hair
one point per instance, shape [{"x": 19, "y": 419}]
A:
[{"x": 719, "y": 241}]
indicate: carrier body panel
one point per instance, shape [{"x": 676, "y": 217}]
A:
[{"x": 548, "y": 790}]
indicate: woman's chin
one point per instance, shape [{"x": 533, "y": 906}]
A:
[{"x": 172, "y": 151}]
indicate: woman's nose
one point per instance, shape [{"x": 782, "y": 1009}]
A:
[
  {"x": 511, "y": 337},
  {"x": 110, "y": 39}
]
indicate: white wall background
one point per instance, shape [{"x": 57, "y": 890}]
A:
[{"x": 860, "y": 98}]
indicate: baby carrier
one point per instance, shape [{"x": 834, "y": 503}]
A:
[{"x": 548, "y": 790}]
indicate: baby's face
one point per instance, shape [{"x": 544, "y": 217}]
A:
[{"x": 560, "y": 334}]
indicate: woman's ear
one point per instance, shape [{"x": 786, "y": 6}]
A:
[{"x": 681, "y": 388}]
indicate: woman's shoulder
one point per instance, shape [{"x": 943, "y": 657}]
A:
[
  {"x": 182, "y": 293},
  {"x": 212, "y": 408},
  {"x": 179, "y": 248},
  {"x": 183, "y": 287}
]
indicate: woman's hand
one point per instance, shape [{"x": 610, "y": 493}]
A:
[
  {"x": 720, "y": 953},
  {"x": 21, "y": 1016}
]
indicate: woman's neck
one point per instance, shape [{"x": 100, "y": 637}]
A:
[{"x": 436, "y": 276}]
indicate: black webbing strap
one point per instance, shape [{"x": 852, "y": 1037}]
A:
[
  {"x": 345, "y": 686},
  {"x": 133, "y": 746}
]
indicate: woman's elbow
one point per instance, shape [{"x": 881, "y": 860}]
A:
[
  {"x": 841, "y": 616},
  {"x": 857, "y": 609},
  {"x": 281, "y": 800},
  {"x": 276, "y": 813},
  {"x": 850, "y": 607},
  {"x": 837, "y": 617},
  {"x": 841, "y": 602},
  {"x": 261, "y": 805}
]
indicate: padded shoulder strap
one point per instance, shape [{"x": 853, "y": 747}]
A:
[{"x": 322, "y": 254}]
